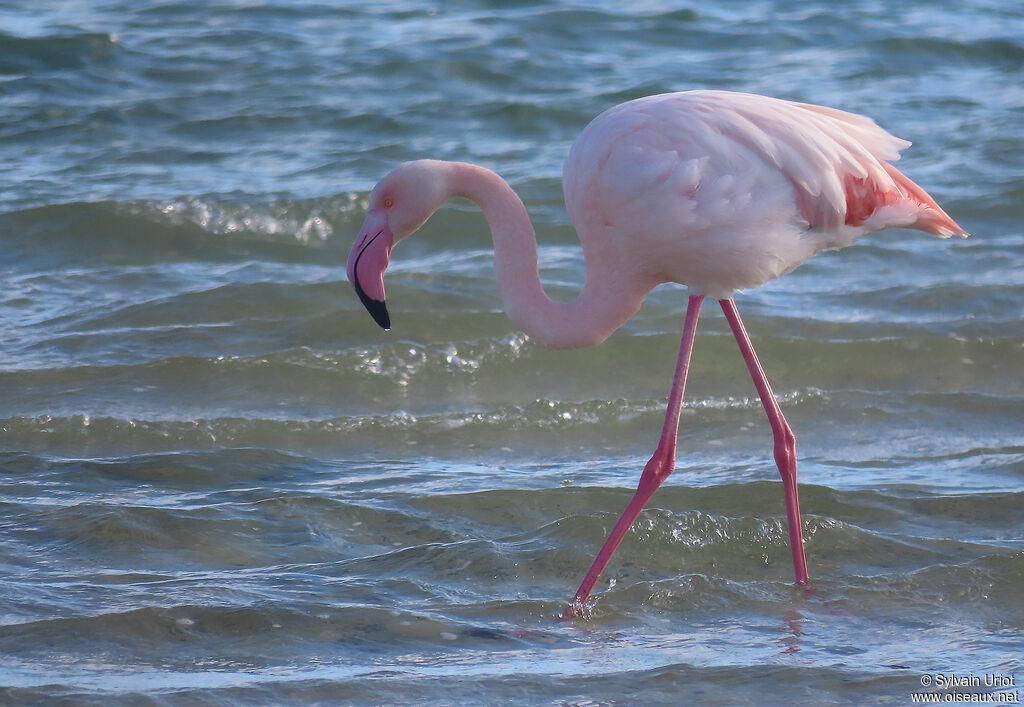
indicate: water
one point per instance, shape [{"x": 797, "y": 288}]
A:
[{"x": 221, "y": 483}]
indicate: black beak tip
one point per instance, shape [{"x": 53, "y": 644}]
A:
[
  {"x": 379, "y": 312},
  {"x": 378, "y": 309}
]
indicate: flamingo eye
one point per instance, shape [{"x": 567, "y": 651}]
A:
[{"x": 389, "y": 202}]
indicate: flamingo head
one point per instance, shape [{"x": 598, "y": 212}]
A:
[{"x": 400, "y": 203}]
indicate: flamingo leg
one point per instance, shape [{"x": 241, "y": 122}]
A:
[
  {"x": 658, "y": 468},
  {"x": 785, "y": 441}
]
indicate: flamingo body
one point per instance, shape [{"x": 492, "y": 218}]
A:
[
  {"x": 715, "y": 190},
  {"x": 723, "y": 191}
]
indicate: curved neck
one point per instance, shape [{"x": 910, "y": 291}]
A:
[{"x": 608, "y": 298}]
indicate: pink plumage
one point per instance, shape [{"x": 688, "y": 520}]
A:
[
  {"x": 715, "y": 190},
  {"x": 723, "y": 191}
]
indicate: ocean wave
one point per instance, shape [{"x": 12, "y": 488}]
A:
[
  {"x": 1004, "y": 53},
  {"x": 54, "y": 52},
  {"x": 175, "y": 229},
  {"x": 697, "y": 551},
  {"x": 540, "y": 415}
]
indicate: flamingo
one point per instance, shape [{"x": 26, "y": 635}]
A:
[{"x": 715, "y": 190}]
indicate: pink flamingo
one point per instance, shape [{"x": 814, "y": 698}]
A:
[{"x": 711, "y": 189}]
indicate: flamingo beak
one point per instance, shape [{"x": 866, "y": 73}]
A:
[{"x": 367, "y": 262}]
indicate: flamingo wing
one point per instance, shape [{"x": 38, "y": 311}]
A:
[{"x": 838, "y": 162}]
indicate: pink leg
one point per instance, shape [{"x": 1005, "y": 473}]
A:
[
  {"x": 785, "y": 442},
  {"x": 658, "y": 468}
]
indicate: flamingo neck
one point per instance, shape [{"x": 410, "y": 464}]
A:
[{"x": 601, "y": 307}]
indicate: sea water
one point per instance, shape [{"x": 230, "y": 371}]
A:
[{"x": 221, "y": 483}]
